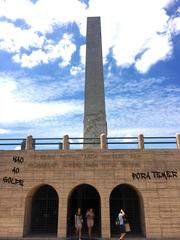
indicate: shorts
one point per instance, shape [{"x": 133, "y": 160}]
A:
[
  {"x": 122, "y": 228},
  {"x": 90, "y": 223},
  {"x": 78, "y": 225}
]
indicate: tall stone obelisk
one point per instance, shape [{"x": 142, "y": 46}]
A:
[{"x": 94, "y": 107}]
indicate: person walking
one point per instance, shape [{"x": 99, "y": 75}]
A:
[
  {"x": 78, "y": 223},
  {"x": 90, "y": 221},
  {"x": 122, "y": 224}
]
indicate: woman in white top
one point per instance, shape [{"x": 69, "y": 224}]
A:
[
  {"x": 121, "y": 224},
  {"x": 78, "y": 222}
]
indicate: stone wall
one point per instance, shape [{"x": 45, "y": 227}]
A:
[{"x": 153, "y": 174}]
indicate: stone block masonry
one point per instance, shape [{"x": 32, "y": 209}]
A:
[{"x": 104, "y": 175}]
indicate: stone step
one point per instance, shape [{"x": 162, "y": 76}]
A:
[{"x": 83, "y": 238}]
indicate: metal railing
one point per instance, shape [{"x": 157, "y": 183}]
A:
[
  {"x": 78, "y": 143},
  {"x": 167, "y": 140}
]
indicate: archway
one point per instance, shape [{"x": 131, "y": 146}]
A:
[
  {"x": 44, "y": 211},
  {"x": 125, "y": 197},
  {"x": 84, "y": 196}
]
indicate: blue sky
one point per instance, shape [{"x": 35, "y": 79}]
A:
[{"x": 42, "y": 57}]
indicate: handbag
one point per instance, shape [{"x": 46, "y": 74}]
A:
[
  {"x": 117, "y": 221},
  {"x": 127, "y": 227}
]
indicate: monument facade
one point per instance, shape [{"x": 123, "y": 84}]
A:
[{"x": 40, "y": 190}]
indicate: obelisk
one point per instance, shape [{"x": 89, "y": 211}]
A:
[{"x": 94, "y": 106}]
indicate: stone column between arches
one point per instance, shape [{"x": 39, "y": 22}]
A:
[
  {"x": 62, "y": 215},
  {"x": 105, "y": 216}
]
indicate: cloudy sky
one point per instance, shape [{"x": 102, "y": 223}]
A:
[{"x": 42, "y": 57}]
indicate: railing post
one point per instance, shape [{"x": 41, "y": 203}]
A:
[
  {"x": 141, "y": 141},
  {"x": 178, "y": 140},
  {"x": 103, "y": 141},
  {"x": 29, "y": 143},
  {"x": 66, "y": 142}
]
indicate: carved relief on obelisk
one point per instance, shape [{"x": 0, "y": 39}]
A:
[{"x": 94, "y": 107}]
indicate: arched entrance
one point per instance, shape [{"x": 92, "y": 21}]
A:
[
  {"x": 125, "y": 197},
  {"x": 44, "y": 211},
  {"x": 84, "y": 196}
]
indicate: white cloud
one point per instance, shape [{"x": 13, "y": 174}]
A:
[
  {"x": 152, "y": 110},
  {"x": 40, "y": 18},
  {"x": 75, "y": 70},
  {"x": 44, "y": 14},
  {"x": 18, "y": 106},
  {"x": 27, "y": 111},
  {"x": 7, "y": 87},
  {"x": 4, "y": 131},
  {"x": 35, "y": 58},
  {"x": 129, "y": 28},
  {"x": 21, "y": 9},
  {"x": 21, "y": 88},
  {"x": 83, "y": 54},
  {"x": 12, "y": 38},
  {"x": 63, "y": 50},
  {"x": 149, "y": 106},
  {"x": 174, "y": 25},
  {"x": 158, "y": 48}
]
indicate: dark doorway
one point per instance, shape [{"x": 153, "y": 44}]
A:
[
  {"x": 44, "y": 216},
  {"x": 126, "y": 198},
  {"x": 84, "y": 197}
]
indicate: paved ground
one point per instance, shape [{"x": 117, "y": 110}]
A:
[{"x": 55, "y": 238}]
